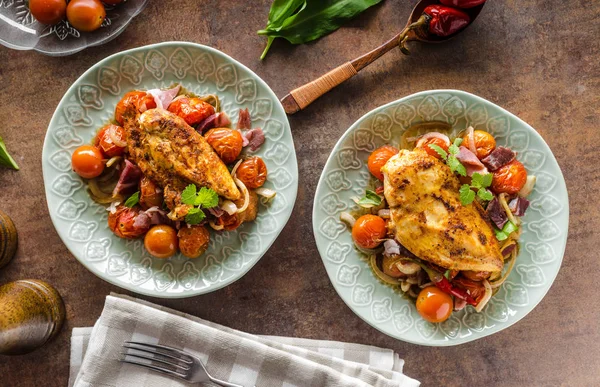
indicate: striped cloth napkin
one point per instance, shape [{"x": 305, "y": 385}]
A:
[{"x": 235, "y": 356}]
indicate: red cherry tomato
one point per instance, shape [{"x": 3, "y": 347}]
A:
[
  {"x": 424, "y": 144},
  {"x": 48, "y": 11},
  {"x": 378, "y": 158},
  {"x": 87, "y": 161},
  {"x": 161, "y": 241},
  {"x": 226, "y": 142},
  {"x": 133, "y": 101},
  {"x": 86, "y": 15},
  {"x": 252, "y": 172},
  {"x": 368, "y": 231},
  {"x": 106, "y": 137},
  {"x": 434, "y": 305},
  {"x": 485, "y": 143},
  {"x": 509, "y": 178},
  {"x": 122, "y": 223},
  {"x": 192, "y": 110},
  {"x": 193, "y": 241},
  {"x": 229, "y": 222}
]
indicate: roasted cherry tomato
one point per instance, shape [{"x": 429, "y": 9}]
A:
[
  {"x": 434, "y": 305},
  {"x": 476, "y": 288},
  {"x": 249, "y": 214},
  {"x": 229, "y": 222},
  {"x": 86, "y": 15},
  {"x": 484, "y": 143},
  {"x": 150, "y": 194},
  {"x": 226, "y": 142},
  {"x": 368, "y": 231},
  {"x": 48, "y": 11},
  {"x": 193, "y": 240},
  {"x": 252, "y": 172},
  {"x": 87, "y": 161},
  {"x": 161, "y": 241},
  {"x": 192, "y": 110},
  {"x": 424, "y": 144},
  {"x": 378, "y": 158},
  {"x": 389, "y": 266},
  {"x": 509, "y": 178},
  {"x": 122, "y": 223},
  {"x": 138, "y": 100},
  {"x": 111, "y": 140}
]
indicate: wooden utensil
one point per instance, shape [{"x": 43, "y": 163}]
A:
[
  {"x": 31, "y": 313},
  {"x": 303, "y": 96},
  {"x": 8, "y": 239}
]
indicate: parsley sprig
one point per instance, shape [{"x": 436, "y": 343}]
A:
[
  {"x": 480, "y": 183},
  {"x": 204, "y": 198},
  {"x": 450, "y": 156}
]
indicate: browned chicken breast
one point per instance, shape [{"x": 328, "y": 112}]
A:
[
  {"x": 428, "y": 218},
  {"x": 173, "y": 154}
]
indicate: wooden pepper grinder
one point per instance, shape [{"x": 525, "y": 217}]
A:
[
  {"x": 31, "y": 313},
  {"x": 8, "y": 239}
]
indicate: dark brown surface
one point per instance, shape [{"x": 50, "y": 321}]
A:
[{"x": 538, "y": 59}]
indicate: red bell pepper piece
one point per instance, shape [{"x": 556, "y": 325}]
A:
[
  {"x": 445, "y": 286},
  {"x": 445, "y": 21},
  {"x": 462, "y": 3}
]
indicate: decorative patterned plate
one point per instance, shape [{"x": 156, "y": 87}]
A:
[
  {"x": 20, "y": 30},
  {"x": 346, "y": 175},
  {"x": 82, "y": 224}
]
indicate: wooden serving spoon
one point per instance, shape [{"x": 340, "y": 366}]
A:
[{"x": 303, "y": 96}]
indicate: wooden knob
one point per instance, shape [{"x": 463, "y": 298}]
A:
[{"x": 8, "y": 239}]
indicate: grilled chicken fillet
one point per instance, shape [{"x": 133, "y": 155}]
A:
[
  {"x": 173, "y": 154},
  {"x": 428, "y": 218}
]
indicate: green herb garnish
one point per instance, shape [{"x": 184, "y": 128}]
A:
[
  {"x": 300, "y": 21},
  {"x": 480, "y": 183},
  {"x": 5, "y": 158},
  {"x": 133, "y": 200},
  {"x": 508, "y": 229},
  {"x": 447, "y": 274},
  {"x": 450, "y": 156},
  {"x": 205, "y": 198},
  {"x": 370, "y": 199}
]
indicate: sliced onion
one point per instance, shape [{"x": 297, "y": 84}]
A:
[
  {"x": 384, "y": 213},
  {"x": 229, "y": 207},
  {"x": 502, "y": 279},
  {"x": 244, "y": 190},
  {"x": 374, "y": 251},
  {"x": 504, "y": 204},
  {"x": 391, "y": 247},
  {"x": 459, "y": 304},
  {"x": 380, "y": 274},
  {"x": 267, "y": 193},
  {"x": 117, "y": 140},
  {"x": 528, "y": 187},
  {"x": 346, "y": 217},
  {"x": 405, "y": 286},
  {"x": 217, "y": 227},
  {"x": 471, "y": 137},
  {"x": 235, "y": 167},
  {"x": 429, "y": 135},
  {"x": 486, "y": 297},
  {"x": 95, "y": 190},
  {"x": 113, "y": 160},
  {"x": 113, "y": 207},
  {"x": 423, "y": 286},
  {"x": 408, "y": 268}
]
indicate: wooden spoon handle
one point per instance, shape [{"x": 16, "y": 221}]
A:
[{"x": 303, "y": 96}]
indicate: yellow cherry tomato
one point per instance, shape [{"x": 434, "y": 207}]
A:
[
  {"x": 434, "y": 305},
  {"x": 87, "y": 161},
  {"x": 161, "y": 241}
]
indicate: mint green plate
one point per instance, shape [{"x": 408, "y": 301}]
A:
[
  {"x": 545, "y": 224},
  {"x": 82, "y": 224}
]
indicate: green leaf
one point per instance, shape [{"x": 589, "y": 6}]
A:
[
  {"x": 484, "y": 194},
  {"x": 447, "y": 274},
  {"x": 316, "y": 19},
  {"x": 5, "y": 158},
  {"x": 456, "y": 166},
  {"x": 440, "y": 151},
  {"x": 476, "y": 180},
  {"x": 206, "y": 198},
  {"x": 280, "y": 10},
  {"x": 188, "y": 196},
  {"x": 370, "y": 199},
  {"x": 194, "y": 216},
  {"x": 133, "y": 200},
  {"x": 466, "y": 195},
  {"x": 458, "y": 141},
  {"x": 487, "y": 180},
  {"x": 508, "y": 229},
  {"x": 453, "y": 149}
]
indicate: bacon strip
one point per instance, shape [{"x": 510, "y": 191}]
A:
[
  {"x": 129, "y": 178},
  {"x": 471, "y": 162},
  {"x": 499, "y": 157}
]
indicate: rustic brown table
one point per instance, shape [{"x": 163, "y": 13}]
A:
[{"x": 538, "y": 59}]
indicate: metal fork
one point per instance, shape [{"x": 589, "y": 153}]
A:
[{"x": 173, "y": 362}]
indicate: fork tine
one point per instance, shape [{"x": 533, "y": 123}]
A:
[
  {"x": 154, "y": 368},
  {"x": 156, "y": 346},
  {"x": 183, "y": 367},
  {"x": 151, "y": 348}
]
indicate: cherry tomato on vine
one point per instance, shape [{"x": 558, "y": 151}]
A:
[
  {"x": 509, "y": 178},
  {"x": 368, "y": 231},
  {"x": 485, "y": 143},
  {"x": 86, "y": 15},
  {"x": 48, "y": 11},
  {"x": 434, "y": 305},
  {"x": 192, "y": 110},
  {"x": 252, "y": 172},
  {"x": 378, "y": 158},
  {"x": 226, "y": 142},
  {"x": 87, "y": 161}
]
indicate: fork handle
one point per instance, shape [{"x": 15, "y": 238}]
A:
[{"x": 223, "y": 383}]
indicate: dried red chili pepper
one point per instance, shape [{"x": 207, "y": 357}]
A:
[
  {"x": 462, "y": 3},
  {"x": 445, "y": 21},
  {"x": 446, "y": 287}
]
